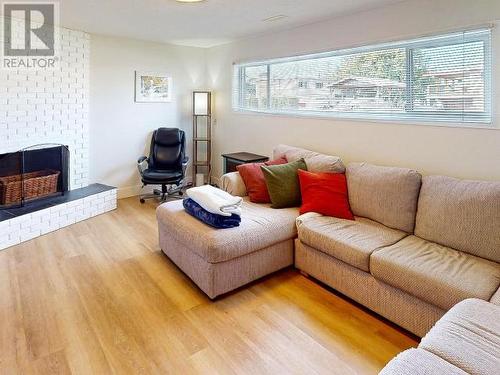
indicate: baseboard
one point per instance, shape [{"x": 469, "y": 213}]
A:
[{"x": 133, "y": 191}]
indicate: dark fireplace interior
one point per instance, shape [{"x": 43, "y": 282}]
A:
[{"x": 19, "y": 185}]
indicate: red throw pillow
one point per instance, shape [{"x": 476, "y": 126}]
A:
[
  {"x": 325, "y": 193},
  {"x": 253, "y": 177}
]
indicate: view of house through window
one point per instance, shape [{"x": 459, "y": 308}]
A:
[{"x": 443, "y": 78}]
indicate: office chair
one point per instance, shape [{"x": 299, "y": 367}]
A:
[{"x": 166, "y": 164}]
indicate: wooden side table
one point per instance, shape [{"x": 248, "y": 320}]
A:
[{"x": 231, "y": 161}]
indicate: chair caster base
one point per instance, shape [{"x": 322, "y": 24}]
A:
[{"x": 164, "y": 194}]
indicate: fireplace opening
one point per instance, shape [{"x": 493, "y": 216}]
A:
[{"x": 32, "y": 174}]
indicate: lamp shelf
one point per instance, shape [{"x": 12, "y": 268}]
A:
[{"x": 202, "y": 134}]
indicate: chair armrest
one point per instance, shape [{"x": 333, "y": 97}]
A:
[
  {"x": 233, "y": 184},
  {"x": 140, "y": 163},
  {"x": 185, "y": 163}
]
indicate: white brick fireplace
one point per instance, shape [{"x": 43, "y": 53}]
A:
[
  {"x": 51, "y": 106},
  {"x": 26, "y": 227}
]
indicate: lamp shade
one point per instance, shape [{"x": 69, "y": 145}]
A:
[{"x": 201, "y": 103}]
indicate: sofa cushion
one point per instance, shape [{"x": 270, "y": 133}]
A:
[
  {"x": 325, "y": 193},
  {"x": 464, "y": 215},
  {"x": 315, "y": 161},
  {"x": 283, "y": 183},
  {"x": 434, "y": 273},
  {"x": 385, "y": 194},
  {"x": 468, "y": 336},
  {"x": 260, "y": 227},
  {"x": 421, "y": 362},
  {"x": 496, "y": 297},
  {"x": 349, "y": 241},
  {"x": 254, "y": 180}
]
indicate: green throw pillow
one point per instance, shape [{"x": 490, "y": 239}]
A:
[{"x": 283, "y": 183}]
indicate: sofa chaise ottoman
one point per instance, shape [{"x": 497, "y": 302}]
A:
[{"x": 221, "y": 260}]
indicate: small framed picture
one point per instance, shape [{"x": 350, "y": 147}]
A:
[{"x": 151, "y": 87}]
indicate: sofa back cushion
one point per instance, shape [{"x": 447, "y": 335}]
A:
[
  {"x": 283, "y": 183},
  {"x": 254, "y": 180},
  {"x": 388, "y": 195},
  {"x": 325, "y": 193},
  {"x": 461, "y": 214},
  {"x": 315, "y": 161}
]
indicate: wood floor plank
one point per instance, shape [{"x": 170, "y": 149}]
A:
[
  {"x": 181, "y": 290},
  {"x": 227, "y": 337},
  {"x": 40, "y": 321},
  {"x": 112, "y": 326},
  {"x": 14, "y": 355},
  {"x": 54, "y": 363},
  {"x": 152, "y": 334},
  {"x": 335, "y": 323},
  {"x": 99, "y": 297},
  {"x": 84, "y": 351},
  {"x": 292, "y": 348},
  {"x": 208, "y": 361}
]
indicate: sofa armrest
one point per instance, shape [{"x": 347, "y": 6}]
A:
[
  {"x": 305, "y": 217},
  {"x": 233, "y": 184},
  {"x": 496, "y": 298}
]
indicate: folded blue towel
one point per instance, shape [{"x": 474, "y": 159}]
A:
[{"x": 214, "y": 220}]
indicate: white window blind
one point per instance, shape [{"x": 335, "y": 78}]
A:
[{"x": 445, "y": 78}]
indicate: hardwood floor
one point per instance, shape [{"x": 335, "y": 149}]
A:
[{"x": 100, "y": 298}]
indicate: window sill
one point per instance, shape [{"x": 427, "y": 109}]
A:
[{"x": 374, "y": 120}]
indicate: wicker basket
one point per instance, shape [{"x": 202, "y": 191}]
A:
[{"x": 36, "y": 185}]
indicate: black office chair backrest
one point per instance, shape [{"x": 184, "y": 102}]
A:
[{"x": 167, "y": 151}]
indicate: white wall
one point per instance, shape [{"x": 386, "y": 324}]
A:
[
  {"x": 50, "y": 105},
  {"x": 120, "y": 128},
  {"x": 460, "y": 152}
]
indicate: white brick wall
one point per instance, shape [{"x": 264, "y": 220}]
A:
[
  {"x": 50, "y": 106},
  {"x": 27, "y": 227}
]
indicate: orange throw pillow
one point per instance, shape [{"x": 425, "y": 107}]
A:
[
  {"x": 253, "y": 177},
  {"x": 325, "y": 193}
]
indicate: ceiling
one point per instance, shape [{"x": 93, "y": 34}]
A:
[{"x": 204, "y": 24}]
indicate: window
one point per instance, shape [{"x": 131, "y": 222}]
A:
[
  {"x": 254, "y": 87},
  {"x": 442, "y": 78}
]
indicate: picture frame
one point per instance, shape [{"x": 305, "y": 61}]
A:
[{"x": 153, "y": 87}]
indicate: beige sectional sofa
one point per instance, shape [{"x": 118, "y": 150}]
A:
[{"x": 417, "y": 247}]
